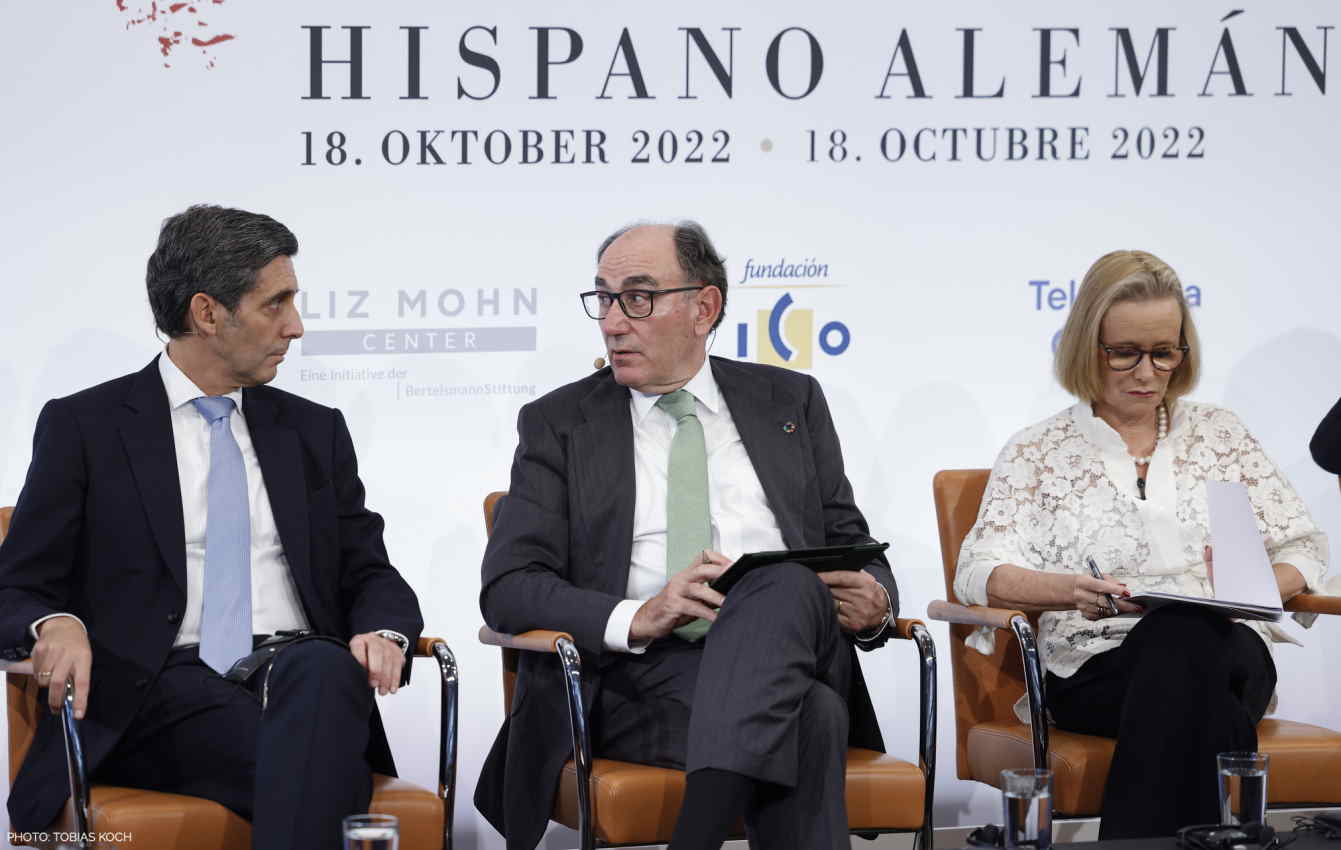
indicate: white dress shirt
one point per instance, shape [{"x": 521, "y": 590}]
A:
[
  {"x": 741, "y": 518},
  {"x": 275, "y": 605},
  {"x": 274, "y": 597}
]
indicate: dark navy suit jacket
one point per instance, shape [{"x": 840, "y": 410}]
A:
[{"x": 98, "y": 532}]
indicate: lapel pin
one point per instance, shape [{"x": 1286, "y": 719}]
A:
[{"x": 789, "y": 427}]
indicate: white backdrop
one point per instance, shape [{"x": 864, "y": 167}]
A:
[{"x": 114, "y": 119}]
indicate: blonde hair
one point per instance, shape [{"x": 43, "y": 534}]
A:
[{"x": 1114, "y": 278}]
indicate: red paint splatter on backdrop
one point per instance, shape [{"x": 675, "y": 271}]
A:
[{"x": 169, "y": 37}]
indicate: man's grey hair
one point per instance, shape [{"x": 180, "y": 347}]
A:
[
  {"x": 214, "y": 250},
  {"x": 695, "y": 253}
]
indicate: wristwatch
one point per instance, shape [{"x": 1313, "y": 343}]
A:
[
  {"x": 395, "y": 637},
  {"x": 884, "y": 624}
]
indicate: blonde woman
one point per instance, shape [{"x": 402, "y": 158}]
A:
[{"x": 1120, "y": 477}]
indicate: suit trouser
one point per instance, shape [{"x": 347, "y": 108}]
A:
[
  {"x": 763, "y": 695},
  {"x": 1185, "y": 684},
  {"x": 295, "y": 770}
]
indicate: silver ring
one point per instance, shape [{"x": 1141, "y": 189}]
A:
[{"x": 45, "y": 674}]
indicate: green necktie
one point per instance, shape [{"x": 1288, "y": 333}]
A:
[{"x": 688, "y": 529}]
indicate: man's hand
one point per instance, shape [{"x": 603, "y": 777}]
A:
[
  {"x": 685, "y": 597},
  {"x": 859, "y": 599},
  {"x": 62, "y": 652},
  {"x": 382, "y": 659}
]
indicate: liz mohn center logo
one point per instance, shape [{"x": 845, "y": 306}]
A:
[{"x": 785, "y": 334}]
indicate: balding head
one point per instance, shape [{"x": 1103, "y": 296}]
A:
[{"x": 657, "y": 352}]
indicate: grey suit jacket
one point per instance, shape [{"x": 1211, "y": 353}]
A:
[{"x": 559, "y": 554}]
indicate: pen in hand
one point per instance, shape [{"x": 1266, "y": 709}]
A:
[{"x": 1108, "y": 597}]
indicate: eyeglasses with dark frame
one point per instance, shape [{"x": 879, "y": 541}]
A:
[
  {"x": 1164, "y": 358},
  {"x": 636, "y": 303}
]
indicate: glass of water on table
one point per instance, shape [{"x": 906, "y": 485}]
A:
[
  {"x": 1027, "y": 798},
  {"x": 372, "y": 832},
  {"x": 1243, "y": 787}
]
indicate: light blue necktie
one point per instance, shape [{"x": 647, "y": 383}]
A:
[
  {"x": 225, "y": 623},
  {"x": 688, "y": 525}
]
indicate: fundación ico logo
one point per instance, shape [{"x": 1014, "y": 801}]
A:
[{"x": 785, "y": 334}]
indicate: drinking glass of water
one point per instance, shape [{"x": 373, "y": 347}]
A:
[
  {"x": 1243, "y": 787},
  {"x": 1027, "y": 798},
  {"x": 372, "y": 832}
]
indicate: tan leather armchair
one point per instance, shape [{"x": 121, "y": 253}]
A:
[
  {"x": 158, "y": 821},
  {"x": 989, "y": 738},
  {"x": 613, "y": 803}
]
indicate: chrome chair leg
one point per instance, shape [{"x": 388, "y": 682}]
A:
[
  {"x": 74, "y": 760},
  {"x": 926, "y": 737},
  {"x": 572, "y": 672},
  {"x": 1033, "y": 680},
  {"x": 447, "y": 732}
]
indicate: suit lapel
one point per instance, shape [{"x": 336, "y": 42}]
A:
[
  {"x": 145, "y": 424},
  {"x": 772, "y": 428},
  {"x": 280, "y": 455},
  {"x": 603, "y": 449}
]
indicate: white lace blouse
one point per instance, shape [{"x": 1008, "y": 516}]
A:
[{"x": 1065, "y": 489}]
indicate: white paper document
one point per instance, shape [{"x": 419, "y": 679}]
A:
[{"x": 1245, "y": 585}]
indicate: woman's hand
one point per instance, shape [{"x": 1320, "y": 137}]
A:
[{"x": 1088, "y": 596}]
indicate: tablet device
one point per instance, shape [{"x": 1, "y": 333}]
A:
[{"x": 821, "y": 560}]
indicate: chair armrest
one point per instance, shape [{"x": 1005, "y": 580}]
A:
[
  {"x": 1017, "y": 624},
  {"x": 536, "y": 640},
  {"x": 562, "y": 645},
  {"x": 448, "y": 725},
  {"x": 917, "y": 632},
  {"x": 424, "y": 648},
  {"x": 1314, "y": 603},
  {"x": 76, "y": 769},
  {"x": 973, "y": 615},
  {"x": 903, "y": 628}
]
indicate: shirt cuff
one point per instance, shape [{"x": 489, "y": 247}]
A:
[
  {"x": 32, "y": 630},
  {"x": 1309, "y": 567},
  {"x": 617, "y": 628},
  {"x": 971, "y": 578},
  {"x": 884, "y": 624},
  {"x": 1328, "y": 586}
]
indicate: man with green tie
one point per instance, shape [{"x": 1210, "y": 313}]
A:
[{"x": 631, "y": 489}]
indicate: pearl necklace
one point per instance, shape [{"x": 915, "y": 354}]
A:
[{"x": 1161, "y": 431}]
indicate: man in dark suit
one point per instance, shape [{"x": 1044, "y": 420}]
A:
[
  {"x": 627, "y": 488},
  {"x": 174, "y": 517}
]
